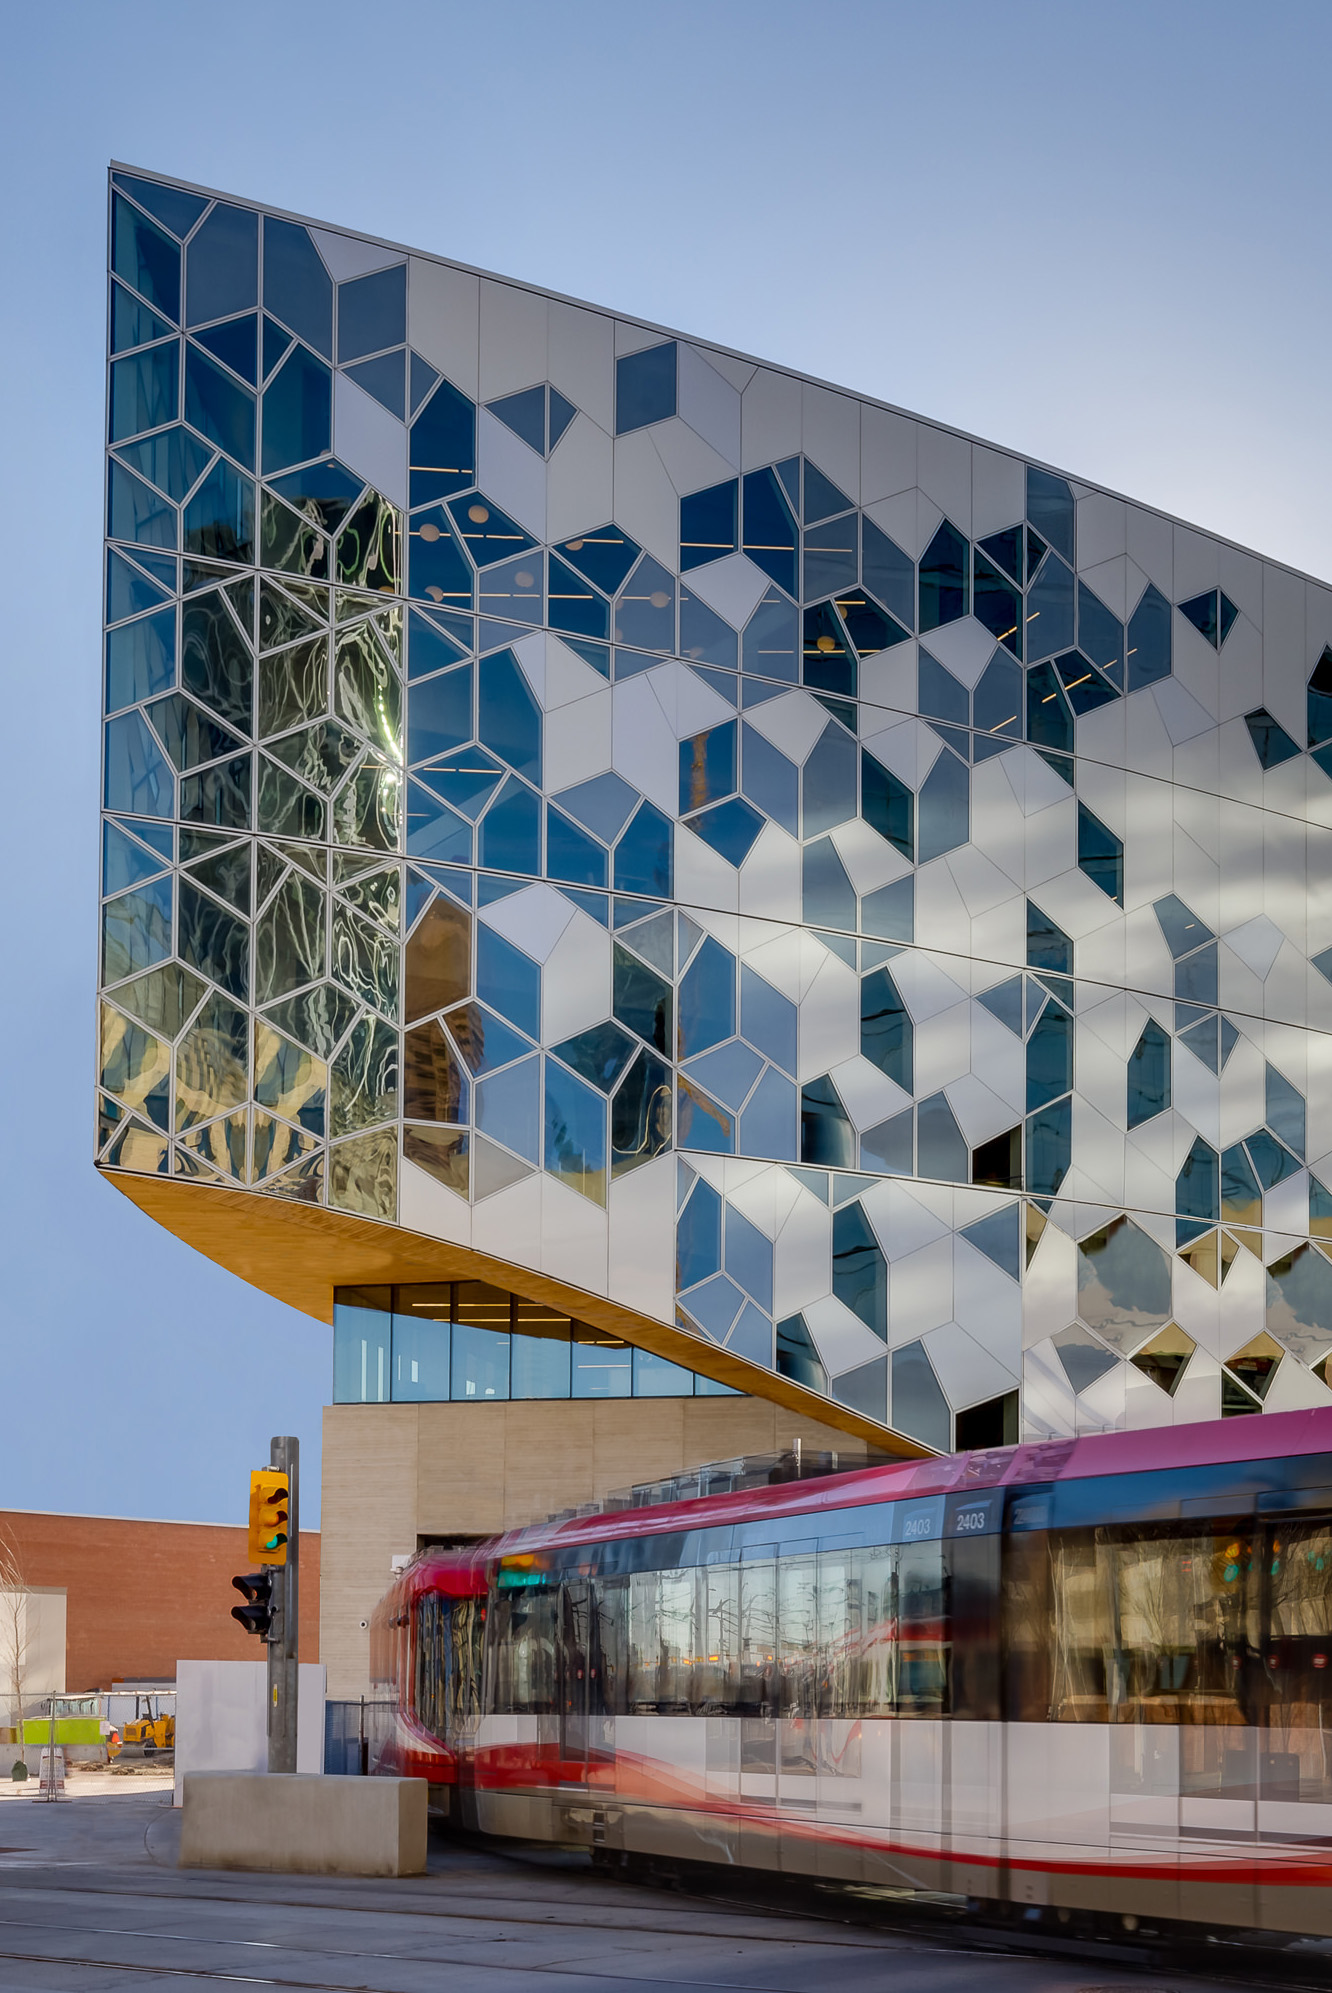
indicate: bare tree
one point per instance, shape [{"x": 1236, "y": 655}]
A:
[{"x": 13, "y": 1627}]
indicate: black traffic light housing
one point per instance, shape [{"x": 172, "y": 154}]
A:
[{"x": 256, "y": 1615}]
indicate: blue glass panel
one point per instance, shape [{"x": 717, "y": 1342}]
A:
[
  {"x": 869, "y": 629},
  {"x": 1049, "y": 1148},
  {"x": 124, "y": 860},
  {"x": 829, "y": 898},
  {"x": 1271, "y": 743},
  {"x": 562, "y": 413},
  {"x": 236, "y": 343},
  {"x": 602, "y": 1365},
  {"x": 575, "y": 1150},
  {"x": 1196, "y": 976},
  {"x": 508, "y": 980},
  {"x": 1197, "y": 1187},
  {"x": 136, "y": 930},
  {"x": 1049, "y": 1057},
  {"x": 641, "y": 999},
  {"x": 488, "y": 533},
  {"x": 941, "y": 1150},
  {"x": 429, "y": 648},
  {"x": 605, "y": 558},
  {"x": 828, "y": 781},
  {"x": 643, "y": 854},
  {"x": 827, "y": 1138},
  {"x": 1149, "y": 654},
  {"x": 944, "y": 580},
  {"x": 465, "y": 780},
  {"x": 421, "y": 1365},
  {"x": 599, "y": 1055},
  {"x": 890, "y": 1148},
  {"x": 859, "y": 1270},
  {"x": 222, "y": 265},
  {"x": 1271, "y": 1159},
  {"x": 145, "y": 256},
  {"x": 997, "y": 701},
  {"x": 644, "y": 387},
  {"x": 1149, "y": 1075},
  {"x": 144, "y": 390},
  {"x": 698, "y": 1237},
  {"x": 1048, "y": 947},
  {"x": 508, "y": 1107},
  {"x": 830, "y": 557},
  {"x": 172, "y": 460},
  {"x": 943, "y": 808},
  {"x": 749, "y": 1258},
  {"x": 513, "y": 589},
  {"x": 1203, "y": 611},
  {"x": 325, "y": 492},
  {"x": 525, "y": 414},
  {"x": 135, "y": 512},
  {"x": 997, "y": 605},
  {"x": 132, "y": 323},
  {"x": 707, "y": 766},
  {"x": 769, "y": 529},
  {"x": 1049, "y": 721},
  {"x": 1285, "y": 1111},
  {"x": 889, "y": 913},
  {"x": 886, "y": 1034},
  {"x": 438, "y": 570},
  {"x": 443, "y": 446},
  {"x": 887, "y": 804},
  {"x": 708, "y": 524},
  {"x": 138, "y": 776},
  {"x": 372, "y": 313},
  {"x": 704, "y": 637},
  {"x": 276, "y": 340},
  {"x": 1201, "y": 1040},
  {"x": 1100, "y": 855},
  {"x": 1085, "y": 687},
  {"x": 939, "y": 695},
  {"x": 822, "y": 496},
  {"x": 140, "y": 659},
  {"x": 828, "y": 659},
  {"x": 1050, "y": 610},
  {"x": 128, "y": 592},
  {"x": 769, "y": 1124},
  {"x": 1050, "y": 509},
  {"x": 219, "y": 519},
  {"x": 434, "y": 830},
  {"x": 767, "y": 1019},
  {"x": 603, "y": 804},
  {"x": 439, "y": 710},
  {"x": 480, "y": 1362},
  {"x": 539, "y": 1366},
  {"x": 645, "y": 612},
  {"x": 728, "y": 1072},
  {"x": 999, "y": 1237},
  {"x": 571, "y": 854},
  {"x": 1005, "y": 549},
  {"x": 510, "y": 719},
  {"x": 707, "y": 999},
  {"x": 887, "y": 572},
  {"x": 1004, "y": 1001},
  {"x": 1227, "y": 617},
  {"x": 797, "y": 1357},
  {"x": 173, "y": 206},
  {"x": 574, "y": 604},
  {"x": 769, "y": 780},
  {"x": 657, "y": 1377},
  {"x": 730, "y": 828},
  {"x": 510, "y": 836},
  {"x": 298, "y": 412},
  {"x": 219, "y": 407},
  {"x": 1100, "y": 634},
  {"x": 772, "y": 640}
]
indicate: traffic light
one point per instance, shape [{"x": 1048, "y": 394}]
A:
[
  {"x": 269, "y": 1509},
  {"x": 256, "y": 1615}
]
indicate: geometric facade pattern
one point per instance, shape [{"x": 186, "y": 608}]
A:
[{"x": 820, "y": 881}]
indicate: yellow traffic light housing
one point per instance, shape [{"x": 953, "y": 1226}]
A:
[{"x": 269, "y": 1510}]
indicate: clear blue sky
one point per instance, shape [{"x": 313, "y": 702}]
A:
[{"x": 1095, "y": 233}]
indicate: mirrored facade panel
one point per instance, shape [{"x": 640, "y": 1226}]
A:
[{"x": 825, "y": 908}]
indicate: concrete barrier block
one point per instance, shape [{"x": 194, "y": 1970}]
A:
[{"x": 304, "y": 1824}]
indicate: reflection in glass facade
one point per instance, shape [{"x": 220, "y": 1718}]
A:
[
  {"x": 827, "y": 887},
  {"x": 468, "y": 1342}
]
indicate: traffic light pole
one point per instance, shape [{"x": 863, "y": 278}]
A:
[{"x": 285, "y": 1456}]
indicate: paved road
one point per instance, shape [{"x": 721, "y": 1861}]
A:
[{"x": 91, "y": 1902}]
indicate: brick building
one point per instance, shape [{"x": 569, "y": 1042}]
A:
[{"x": 141, "y": 1595}]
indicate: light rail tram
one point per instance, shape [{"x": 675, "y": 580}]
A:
[{"x": 1092, "y": 1678}]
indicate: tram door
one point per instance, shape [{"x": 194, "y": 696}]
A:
[{"x": 587, "y": 1624}]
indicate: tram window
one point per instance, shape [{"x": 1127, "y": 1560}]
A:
[
  {"x": 717, "y": 1687},
  {"x": 758, "y": 1638},
  {"x": 523, "y": 1652},
  {"x": 432, "y": 1632},
  {"x": 922, "y": 1630},
  {"x": 798, "y": 1630}
]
